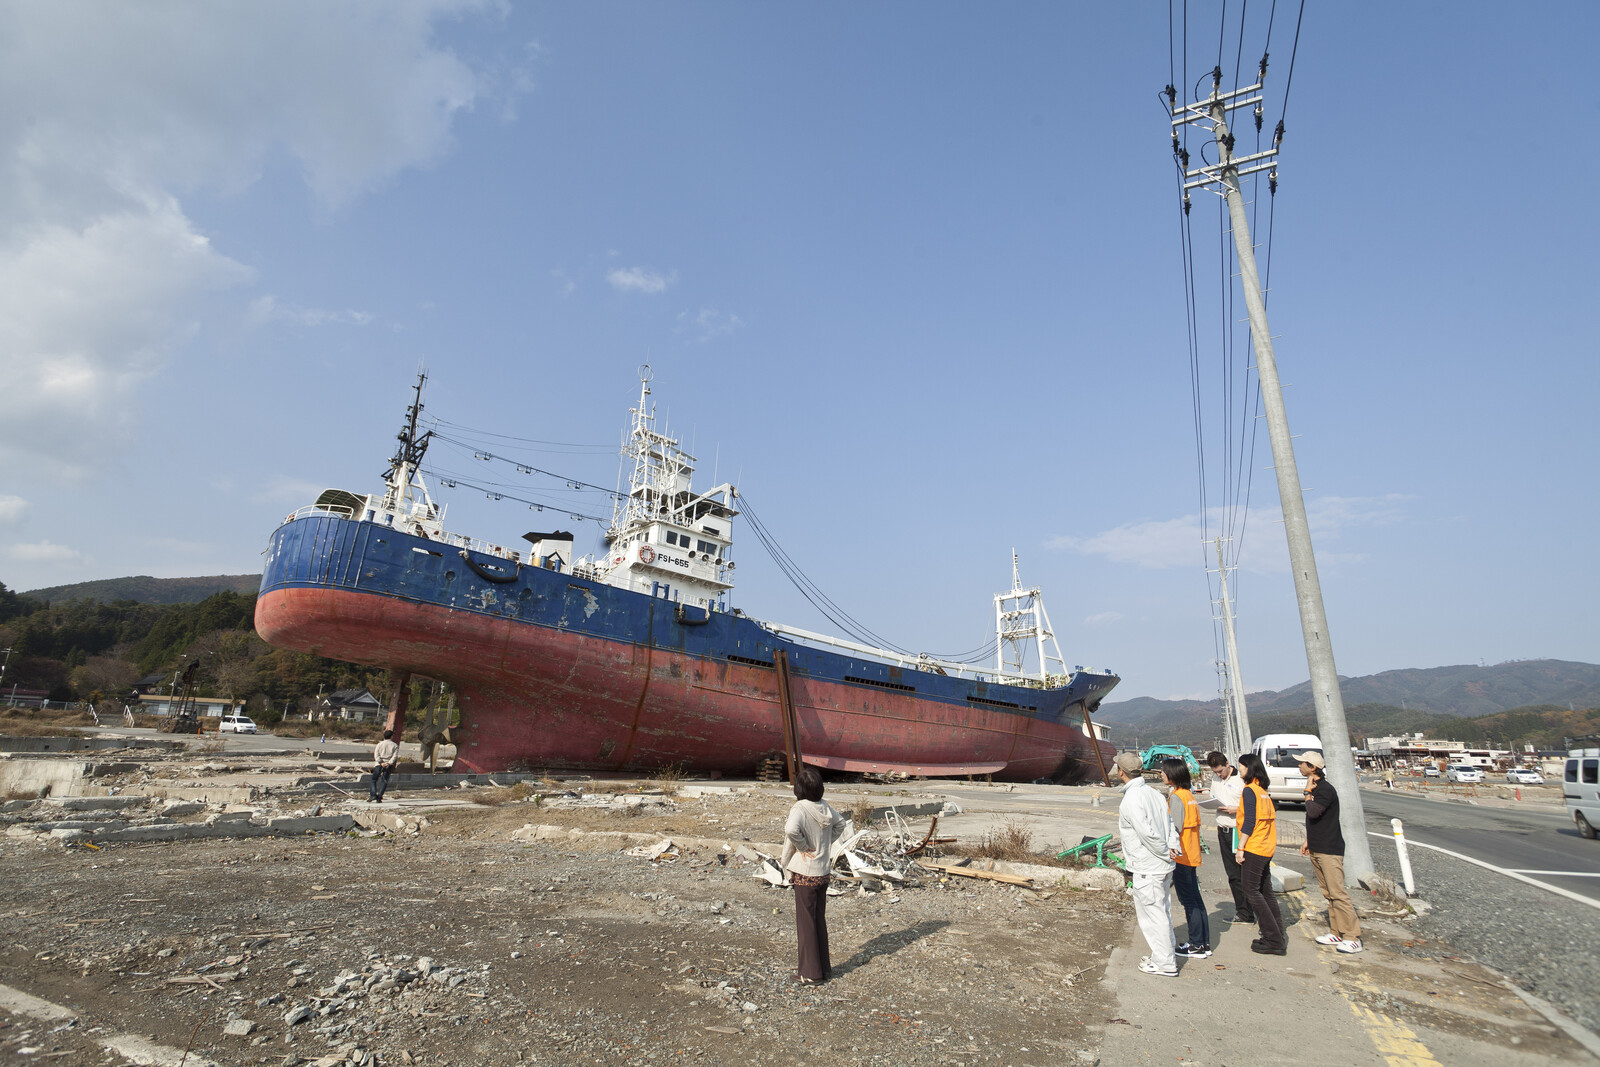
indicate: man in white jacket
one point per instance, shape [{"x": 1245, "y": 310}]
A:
[{"x": 1150, "y": 847}]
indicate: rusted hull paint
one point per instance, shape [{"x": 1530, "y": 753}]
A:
[{"x": 542, "y": 696}]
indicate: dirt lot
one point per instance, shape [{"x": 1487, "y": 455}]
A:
[{"x": 462, "y": 945}]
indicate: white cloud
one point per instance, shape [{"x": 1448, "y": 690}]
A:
[
  {"x": 45, "y": 552},
  {"x": 640, "y": 280},
  {"x": 1104, "y": 618},
  {"x": 12, "y": 509},
  {"x": 117, "y": 112},
  {"x": 87, "y": 313},
  {"x": 1156, "y": 543},
  {"x": 266, "y": 309},
  {"x": 708, "y": 323},
  {"x": 1179, "y": 542}
]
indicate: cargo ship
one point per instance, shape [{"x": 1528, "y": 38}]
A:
[{"x": 632, "y": 659}]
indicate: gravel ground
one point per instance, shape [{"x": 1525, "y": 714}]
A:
[
  {"x": 1543, "y": 942},
  {"x": 462, "y": 946}
]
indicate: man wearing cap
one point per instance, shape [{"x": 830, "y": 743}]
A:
[
  {"x": 1227, "y": 789},
  {"x": 1150, "y": 846},
  {"x": 1325, "y": 845}
]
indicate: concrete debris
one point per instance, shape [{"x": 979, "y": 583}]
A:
[
  {"x": 654, "y": 852},
  {"x": 772, "y": 873},
  {"x": 239, "y": 1028}
]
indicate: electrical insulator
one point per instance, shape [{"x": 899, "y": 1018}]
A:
[
  {"x": 1258, "y": 118},
  {"x": 1272, "y": 182},
  {"x": 1185, "y": 203}
]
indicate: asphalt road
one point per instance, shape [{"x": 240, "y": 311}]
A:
[{"x": 1540, "y": 843}]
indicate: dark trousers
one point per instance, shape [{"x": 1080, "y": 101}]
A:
[
  {"x": 380, "y": 780},
  {"x": 1186, "y": 880},
  {"x": 1241, "y": 906},
  {"x": 1258, "y": 890},
  {"x": 811, "y": 929}
]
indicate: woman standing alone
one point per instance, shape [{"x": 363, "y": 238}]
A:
[
  {"x": 1258, "y": 840},
  {"x": 1185, "y": 812},
  {"x": 808, "y": 837}
]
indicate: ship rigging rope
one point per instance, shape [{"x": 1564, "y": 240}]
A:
[
  {"x": 526, "y": 468},
  {"x": 809, "y": 589},
  {"x": 545, "y": 446},
  {"x": 832, "y": 611},
  {"x": 451, "y": 481}
]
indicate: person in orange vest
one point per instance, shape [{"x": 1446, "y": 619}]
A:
[
  {"x": 1185, "y": 812},
  {"x": 1257, "y": 841}
]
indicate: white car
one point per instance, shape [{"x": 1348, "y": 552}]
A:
[
  {"x": 1461, "y": 772},
  {"x": 1522, "y": 776},
  {"x": 236, "y": 724}
]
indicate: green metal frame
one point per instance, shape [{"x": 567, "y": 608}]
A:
[{"x": 1098, "y": 846}]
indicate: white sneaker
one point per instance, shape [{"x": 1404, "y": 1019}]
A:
[
  {"x": 1350, "y": 946},
  {"x": 1149, "y": 968},
  {"x": 1330, "y": 939}
]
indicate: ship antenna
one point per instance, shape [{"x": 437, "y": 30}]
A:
[{"x": 412, "y": 447}]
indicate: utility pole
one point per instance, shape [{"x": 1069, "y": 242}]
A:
[
  {"x": 1331, "y": 727},
  {"x": 1237, "y": 736}
]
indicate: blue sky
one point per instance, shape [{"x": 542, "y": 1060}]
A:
[{"x": 910, "y": 274}]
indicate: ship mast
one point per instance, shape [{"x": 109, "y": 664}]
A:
[
  {"x": 1019, "y": 621},
  {"x": 405, "y": 468}
]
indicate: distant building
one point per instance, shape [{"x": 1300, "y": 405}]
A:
[
  {"x": 150, "y": 682},
  {"x": 356, "y": 705},
  {"x": 204, "y": 707}
]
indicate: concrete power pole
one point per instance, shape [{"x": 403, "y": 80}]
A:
[
  {"x": 1237, "y": 739},
  {"x": 1331, "y": 727}
]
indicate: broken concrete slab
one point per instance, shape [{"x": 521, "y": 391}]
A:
[
  {"x": 232, "y": 828},
  {"x": 43, "y": 777},
  {"x": 178, "y": 808},
  {"x": 388, "y": 821},
  {"x": 98, "y": 803}
]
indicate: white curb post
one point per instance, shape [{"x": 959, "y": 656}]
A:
[{"x": 1405, "y": 858}]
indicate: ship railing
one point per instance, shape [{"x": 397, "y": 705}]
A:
[
  {"x": 485, "y": 547},
  {"x": 338, "y": 511},
  {"x": 455, "y": 540},
  {"x": 920, "y": 662}
]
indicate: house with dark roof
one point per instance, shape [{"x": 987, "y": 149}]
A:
[{"x": 357, "y": 705}]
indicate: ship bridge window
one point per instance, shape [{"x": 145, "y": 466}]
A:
[
  {"x": 707, "y": 546},
  {"x": 712, "y": 530}
]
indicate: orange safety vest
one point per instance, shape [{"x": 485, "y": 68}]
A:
[
  {"x": 1189, "y": 832},
  {"x": 1263, "y": 840}
]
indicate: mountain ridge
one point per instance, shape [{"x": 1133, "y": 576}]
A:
[
  {"x": 1400, "y": 699},
  {"x": 145, "y": 589}
]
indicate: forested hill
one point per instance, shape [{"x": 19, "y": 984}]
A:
[
  {"x": 1466, "y": 690},
  {"x": 94, "y": 650},
  {"x": 147, "y": 590},
  {"x": 1391, "y": 702}
]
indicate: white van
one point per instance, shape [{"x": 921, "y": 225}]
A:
[
  {"x": 1580, "y": 784},
  {"x": 1280, "y": 753},
  {"x": 237, "y": 724}
]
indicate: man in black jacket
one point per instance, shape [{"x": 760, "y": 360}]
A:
[{"x": 1325, "y": 845}]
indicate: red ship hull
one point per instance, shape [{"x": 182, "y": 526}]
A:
[{"x": 543, "y": 697}]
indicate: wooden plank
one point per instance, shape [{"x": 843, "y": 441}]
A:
[{"x": 988, "y": 875}]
